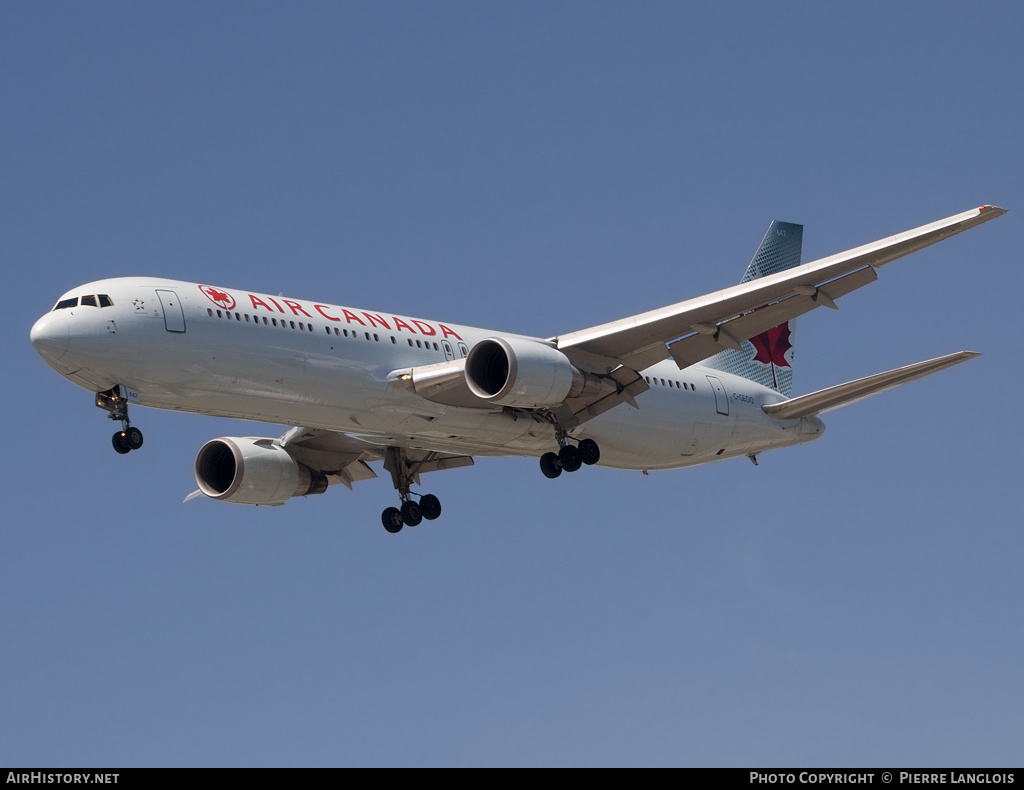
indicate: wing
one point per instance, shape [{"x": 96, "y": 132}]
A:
[
  {"x": 698, "y": 328},
  {"x": 343, "y": 459},
  {"x": 606, "y": 360}
]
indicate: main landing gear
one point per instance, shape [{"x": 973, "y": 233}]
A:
[
  {"x": 570, "y": 458},
  {"x": 128, "y": 438},
  {"x": 411, "y": 513}
]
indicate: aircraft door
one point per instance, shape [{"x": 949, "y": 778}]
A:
[
  {"x": 721, "y": 398},
  {"x": 174, "y": 315},
  {"x": 449, "y": 355}
]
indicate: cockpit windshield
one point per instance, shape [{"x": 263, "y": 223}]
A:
[{"x": 88, "y": 300}]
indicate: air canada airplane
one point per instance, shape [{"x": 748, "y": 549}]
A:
[{"x": 701, "y": 380}]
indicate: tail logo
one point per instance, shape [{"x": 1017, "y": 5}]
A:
[{"x": 771, "y": 346}]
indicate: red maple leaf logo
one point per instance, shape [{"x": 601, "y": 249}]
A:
[
  {"x": 219, "y": 298},
  {"x": 771, "y": 346}
]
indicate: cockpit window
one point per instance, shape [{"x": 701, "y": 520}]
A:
[{"x": 89, "y": 300}]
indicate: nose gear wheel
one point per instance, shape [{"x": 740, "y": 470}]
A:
[{"x": 128, "y": 438}]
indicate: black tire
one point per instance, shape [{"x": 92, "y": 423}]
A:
[
  {"x": 430, "y": 507},
  {"x": 411, "y": 514},
  {"x": 570, "y": 458},
  {"x": 134, "y": 436},
  {"x": 590, "y": 452},
  {"x": 120, "y": 442},
  {"x": 550, "y": 465},
  {"x": 392, "y": 520}
]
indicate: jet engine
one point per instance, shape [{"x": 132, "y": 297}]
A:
[
  {"x": 253, "y": 471},
  {"x": 525, "y": 373}
]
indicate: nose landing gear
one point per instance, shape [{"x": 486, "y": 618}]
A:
[{"x": 128, "y": 438}]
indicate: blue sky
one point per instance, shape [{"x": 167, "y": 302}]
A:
[{"x": 536, "y": 168}]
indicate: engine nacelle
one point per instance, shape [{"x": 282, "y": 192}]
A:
[
  {"x": 253, "y": 471},
  {"x": 525, "y": 373}
]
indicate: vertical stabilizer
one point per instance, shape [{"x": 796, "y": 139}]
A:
[{"x": 767, "y": 358}]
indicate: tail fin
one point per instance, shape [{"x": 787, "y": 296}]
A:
[{"x": 767, "y": 358}]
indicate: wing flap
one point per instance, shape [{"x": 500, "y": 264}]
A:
[
  {"x": 703, "y": 344},
  {"x": 843, "y": 394}
]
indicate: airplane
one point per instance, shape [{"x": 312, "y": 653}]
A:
[{"x": 701, "y": 380}]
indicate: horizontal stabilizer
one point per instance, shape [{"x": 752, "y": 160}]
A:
[{"x": 851, "y": 391}]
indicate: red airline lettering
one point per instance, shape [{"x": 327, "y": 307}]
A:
[
  {"x": 375, "y": 319},
  {"x": 296, "y": 308},
  {"x": 257, "y": 302},
  {"x": 399, "y": 324},
  {"x": 350, "y": 317},
  {"x": 320, "y": 309}
]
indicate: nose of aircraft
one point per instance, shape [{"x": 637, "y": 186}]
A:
[{"x": 49, "y": 336}]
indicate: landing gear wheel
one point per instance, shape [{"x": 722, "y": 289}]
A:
[
  {"x": 570, "y": 458},
  {"x": 392, "y": 520},
  {"x": 411, "y": 514},
  {"x": 550, "y": 465},
  {"x": 120, "y": 442},
  {"x": 590, "y": 452},
  {"x": 430, "y": 507},
  {"x": 134, "y": 438}
]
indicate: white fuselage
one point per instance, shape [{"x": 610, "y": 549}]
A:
[{"x": 232, "y": 353}]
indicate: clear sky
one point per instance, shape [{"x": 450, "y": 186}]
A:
[{"x": 537, "y": 168}]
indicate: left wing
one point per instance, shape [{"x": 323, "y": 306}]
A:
[
  {"x": 698, "y": 328},
  {"x": 599, "y": 368}
]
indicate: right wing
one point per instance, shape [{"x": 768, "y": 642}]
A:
[{"x": 343, "y": 459}]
